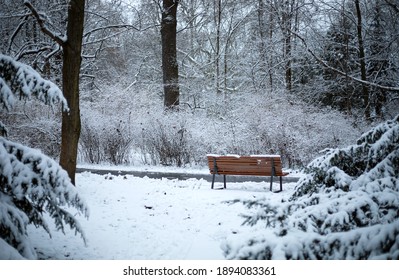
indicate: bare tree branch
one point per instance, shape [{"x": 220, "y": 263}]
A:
[
  {"x": 30, "y": 52},
  {"x": 127, "y": 26},
  {"x": 42, "y": 24},
  {"x": 392, "y": 5},
  {"x": 100, "y": 40},
  {"x": 325, "y": 64},
  {"x": 20, "y": 25},
  {"x": 117, "y": 26}
]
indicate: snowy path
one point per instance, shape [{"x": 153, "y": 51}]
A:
[
  {"x": 144, "y": 218},
  {"x": 185, "y": 175}
]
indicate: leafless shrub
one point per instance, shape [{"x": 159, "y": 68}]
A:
[
  {"x": 165, "y": 144},
  {"x": 105, "y": 143}
]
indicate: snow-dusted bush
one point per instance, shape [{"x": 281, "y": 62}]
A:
[
  {"x": 90, "y": 149},
  {"x": 105, "y": 142},
  {"x": 37, "y": 129},
  {"x": 282, "y": 124},
  {"x": 31, "y": 183},
  {"x": 117, "y": 142},
  {"x": 166, "y": 143},
  {"x": 345, "y": 207},
  {"x": 242, "y": 123}
]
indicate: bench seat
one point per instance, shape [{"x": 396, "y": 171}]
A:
[{"x": 255, "y": 165}]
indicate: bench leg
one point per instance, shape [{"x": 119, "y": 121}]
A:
[
  {"x": 224, "y": 180},
  {"x": 271, "y": 183},
  {"x": 213, "y": 180},
  {"x": 281, "y": 183}
]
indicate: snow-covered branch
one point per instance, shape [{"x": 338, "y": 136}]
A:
[
  {"x": 19, "y": 79},
  {"x": 325, "y": 64},
  {"x": 26, "y": 51},
  {"x": 42, "y": 24},
  {"x": 30, "y": 182},
  {"x": 20, "y": 25},
  {"x": 100, "y": 40},
  {"x": 344, "y": 207},
  {"x": 393, "y": 5},
  {"x": 114, "y": 26}
]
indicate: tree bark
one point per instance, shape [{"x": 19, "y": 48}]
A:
[
  {"x": 169, "y": 57},
  {"x": 218, "y": 19},
  {"x": 362, "y": 60},
  {"x": 287, "y": 18},
  {"x": 72, "y": 49}
]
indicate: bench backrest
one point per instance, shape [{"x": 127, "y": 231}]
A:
[{"x": 245, "y": 165}]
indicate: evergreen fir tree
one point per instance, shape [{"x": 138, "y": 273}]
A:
[
  {"x": 31, "y": 184},
  {"x": 345, "y": 207}
]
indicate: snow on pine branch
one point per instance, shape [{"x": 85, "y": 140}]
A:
[
  {"x": 345, "y": 207},
  {"x": 31, "y": 184},
  {"x": 19, "y": 79}
]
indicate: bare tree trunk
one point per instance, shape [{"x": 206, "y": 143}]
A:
[
  {"x": 218, "y": 19},
  {"x": 376, "y": 48},
  {"x": 169, "y": 57},
  {"x": 288, "y": 66},
  {"x": 70, "y": 75},
  {"x": 287, "y": 17},
  {"x": 262, "y": 34},
  {"x": 72, "y": 48},
  {"x": 270, "y": 36},
  {"x": 362, "y": 60},
  {"x": 262, "y": 29}
]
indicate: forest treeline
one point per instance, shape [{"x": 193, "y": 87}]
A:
[{"x": 262, "y": 76}]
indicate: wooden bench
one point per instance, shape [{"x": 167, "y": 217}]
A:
[{"x": 257, "y": 165}]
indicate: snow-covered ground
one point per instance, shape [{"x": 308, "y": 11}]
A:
[{"x": 135, "y": 218}]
